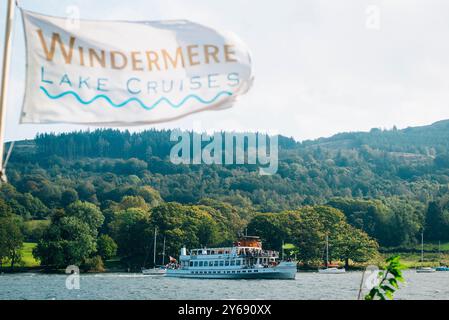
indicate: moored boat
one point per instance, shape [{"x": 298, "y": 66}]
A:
[
  {"x": 154, "y": 271},
  {"x": 425, "y": 270},
  {"x": 442, "y": 268},
  {"x": 244, "y": 260},
  {"x": 330, "y": 268}
]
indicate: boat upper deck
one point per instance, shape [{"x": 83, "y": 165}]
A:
[{"x": 246, "y": 247}]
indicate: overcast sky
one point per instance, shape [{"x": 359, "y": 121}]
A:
[{"x": 321, "y": 67}]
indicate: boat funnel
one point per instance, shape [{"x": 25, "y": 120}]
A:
[{"x": 183, "y": 251}]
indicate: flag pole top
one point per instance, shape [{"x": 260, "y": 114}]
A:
[{"x": 6, "y": 63}]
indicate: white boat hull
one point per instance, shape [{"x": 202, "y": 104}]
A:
[
  {"x": 332, "y": 271},
  {"x": 425, "y": 270},
  {"x": 154, "y": 272},
  {"x": 285, "y": 271}
]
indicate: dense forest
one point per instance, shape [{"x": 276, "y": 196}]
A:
[{"x": 86, "y": 197}]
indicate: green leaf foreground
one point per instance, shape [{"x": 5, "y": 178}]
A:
[{"x": 389, "y": 280}]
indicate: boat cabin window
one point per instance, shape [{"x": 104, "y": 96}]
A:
[
  {"x": 233, "y": 263},
  {"x": 237, "y": 262},
  {"x": 191, "y": 263},
  {"x": 201, "y": 263},
  {"x": 227, "y": 263},
  {"x": 215, "y": 263},
  {"x": 196, "y": 263},
  {"x": 221, "y": 263}
]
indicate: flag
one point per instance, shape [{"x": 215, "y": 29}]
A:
[
  {"x": 172, "y": 260},
  {"x": 129, "y": 73}
]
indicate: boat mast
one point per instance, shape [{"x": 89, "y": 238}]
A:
[
  {"x": 327, "y": 250},
  {"x": 163, "y": 253},
  {"x": 282, "y": 250},
  {"x": 154, "y": 249},
  {"x": 422, "y": 247},
  {"x": 6, "y": 63}
]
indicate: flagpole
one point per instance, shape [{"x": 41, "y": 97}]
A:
[{"x": 4, "y": 86}]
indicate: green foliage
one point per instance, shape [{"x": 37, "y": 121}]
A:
[
  {"x": 306, "y": 229},
  {"x": 132, "y": 231},
  {"x": 71, "y": 237},
  {"x": 87, "y": 213},
  {"x": 69, "y": 196},
  {"x": 94, "y": 264},
  {"x": 437, "y": 220},
  {"x": 381, "y": 182},
  {"x": 389, "y": 280},
  {"x": 69, "y": 241},
  {"x": 11, "y": 240},
  {"x": 106, "y": 247},
  {"x": 33, "y": 230},
  {"x": 290, "y": 250},
  {"x": 402, "y": 169}
]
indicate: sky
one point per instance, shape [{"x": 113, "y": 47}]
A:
[{"x": 321, "y": 67}]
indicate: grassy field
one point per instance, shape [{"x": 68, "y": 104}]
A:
[
  {"x": 434, "y": 255},
  {"x": 28, "y": 260},
  {"x": 27, "y": 255},
  {"x": 413, "y": 260}
]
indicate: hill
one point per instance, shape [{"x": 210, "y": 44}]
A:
[{"x": 383, "y": 180}]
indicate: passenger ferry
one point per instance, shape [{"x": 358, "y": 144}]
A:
[{"x": 244, "y": 260}]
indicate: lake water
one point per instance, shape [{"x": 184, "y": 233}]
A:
[{"x": 136, "y": 286}]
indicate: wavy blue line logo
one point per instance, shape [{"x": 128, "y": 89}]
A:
[{"x": 143, "y": 105}]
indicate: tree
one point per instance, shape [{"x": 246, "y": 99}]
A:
[
  {"x": 151, "y": 196},
  {"x": 267, "y": 226},
  {"x": 69, "y": 196},
  {"x": 5, "y": 209},
  {"x": 307, "y": 228},
  {"x": 437, "y": 222},
  {"x": 87, "y": 213},
  {"x": 106, "y": 247},
  {"x": 354, "y": 244},
  {"x": 371, "y": 216},
  {"x": 68, "y": 241},
  {"x": 11, "y": 240},
  {"x": 190, "y": 226},
  {"x": 132, "y": 231}
]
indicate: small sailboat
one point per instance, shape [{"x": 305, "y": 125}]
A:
[
  {"x": 441, "y": 268},
  {"x": 156, "y": 270},
  {"x": 330, "y": 269},
  {"x": 424, "y": 269}
]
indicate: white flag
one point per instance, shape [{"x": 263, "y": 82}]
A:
[{"x": 129, "y": 73}]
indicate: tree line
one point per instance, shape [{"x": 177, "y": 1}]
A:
[{"x": 389, "y": 184}]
